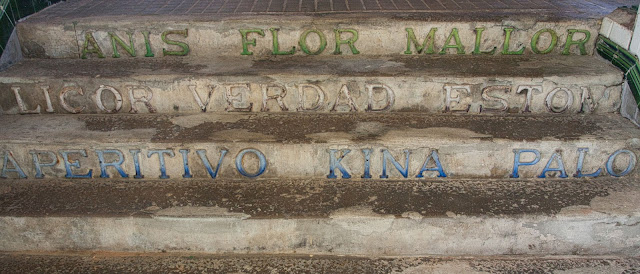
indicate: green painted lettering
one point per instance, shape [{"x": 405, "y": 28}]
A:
[
  {"x": 115, "y": 40},
  {"x": 536, "y": 38},
  {"x": 246, "y": 42},
  {"x": 507, "y": 41},
  {"x": 349, "y": 42},
  {"x": 184, "y": 46},
  {"x": 411, "y": 38},
  {"x": 476, "y": 50},
  {"x": 276, "y": 45},
  {"x": 147, "y": 44},
  {"x": 447, "y": 44},
  {"x": 90, "y": 40},
  {"x": 303, "y": 42},
  {"x": 580, "y": 43}
]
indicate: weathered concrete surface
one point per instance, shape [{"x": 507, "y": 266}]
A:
[
  {"x": 605, "y": 224},
  {"x": 300, "y": 146},
  {"x": 376, "y": 35},
  {"x": 105, "y": 262},
  {"x": 536, "y": 84}
]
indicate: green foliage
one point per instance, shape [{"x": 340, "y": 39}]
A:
[{"x": 13, "y": 10}]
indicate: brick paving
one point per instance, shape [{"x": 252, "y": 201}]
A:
[{"x": 89, "y": 8}]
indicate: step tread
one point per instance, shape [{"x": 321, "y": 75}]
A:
[
  {"x": 106, "y": 262},
  {"x": 410, "y": 66},
  {"x": 318, "y": 198},
  {"x": 310, "y": 128},
  {"x": 443, "y": 9}
]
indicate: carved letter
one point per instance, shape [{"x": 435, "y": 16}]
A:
[
  {"x": 583, "y": 152},
  {"x": 536, "y": 37},
  {"x": 318, "y": 103},
  {"x": 552, "y": 94},
  {"x": 246, "y": 42},
  {"x": 335, "y": 163},
  {"x": 630, "y": 166},
  {"x": 276, "y": 44},
  {"x": 117, "y": 165},
  {"x": 278, "y": 97},
  {"x": 486, "y": 96},
  {"x": 349, "y": 42},
  {"x": 344, "y": 90},
  {"x": 117, "y": 101},
  {"x": 507, "y": 41},
  {"x": 145, "y": 99},
  {"x": 476, "y": 50},
  {"x": 517, "y": 163},
  {"x": 450, "y": 97},
  {"x": 447, "y": 44},
  {"x": 184, "y": 46},
  {"x": 387, "y": 156},
  {"x": 45, "y": 91},
  {"x": 203, "y": 105},
  {"x": 136, "y": 163},
  {"x": 238, "y": 97},
  {"x": 161, "y": 153},
  {"x": 115, "y": 40},
  {"x": 438, "y": 167},
  {"x": 63, "y": 100},
  {"x": 89, "y": 39},
  {"x": 587, "y": 103},
  {"x": 580, "y": 43},
  {"x": 556, "y": 156},
  {"x": 8, "y": 157},
  {"x": 185, "y": 163},
  {"x": 303, "y": 42},
  {"x": 207, "y": 165},
  {"x": 390, "y": 97},
  {"x": 76, "y": 163},
  {"x": 21, "y": 105},
  {"x": 262, "y": 166},
  {"x": 147, "y": 44},
  {"x": 367, "y": 163},
  {"x": 38, "y": 165},
  {"x": 529, "y": 92},
  {"x": 411, "y": 38}
]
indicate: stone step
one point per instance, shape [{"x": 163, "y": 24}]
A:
[
  {"x": 105, "y": 262},
  {"x": 471, "y": 84},
  {"x": 341, "y": 146},
  {"x": 302, "y": 216},
  {"x": 106, "y": 29}
]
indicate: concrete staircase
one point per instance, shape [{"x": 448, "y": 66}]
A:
[{"x": 338, "y": 136}]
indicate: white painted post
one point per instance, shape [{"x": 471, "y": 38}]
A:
[{"x": 635, "y": 41}]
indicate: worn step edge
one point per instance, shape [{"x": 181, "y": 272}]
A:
[
  {"x": 609, "y": 226},
  {"x": 160, "y": 36},
  {"x": 107, "y": 262},
  {"x": 310, "y": 198},
  {"x": 538, "y": 85},
  {"x": 303, "y": 146}
]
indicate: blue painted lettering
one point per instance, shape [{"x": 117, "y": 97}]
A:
[
  {"x": 517, "y": 163},
  {"x": 117, "y": 165},
  {"x": 207, "y": 165},
  {"x": 76, "y": 163},
  {"x": 335, "y": 163},
  {"x": 261, "y": 167},
  {"x": 38, "y": 165}
]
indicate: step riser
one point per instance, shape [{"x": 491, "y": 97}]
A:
[
  {"x": 306, "y": 93},
  {"x": 224, "y": 38},
  {"x": 456, "y": 159},
  {"x": 348, "y": 232}
]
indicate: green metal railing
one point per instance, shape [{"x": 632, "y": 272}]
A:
[
  {"x": 13, "y": 10},
  {"x": 622, "y": 59}
]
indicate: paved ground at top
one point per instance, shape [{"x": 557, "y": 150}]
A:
[{"x": 92, "y": 8}]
